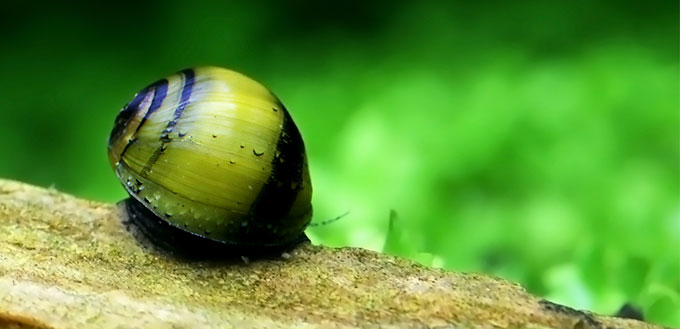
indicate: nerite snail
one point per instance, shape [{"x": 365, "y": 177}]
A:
[{"x": 213, "y": 163}]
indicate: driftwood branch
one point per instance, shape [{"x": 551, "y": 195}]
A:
[{"x": 70, "y": 263}]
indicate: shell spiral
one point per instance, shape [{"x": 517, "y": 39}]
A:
[{"x": 214, "y": 153}]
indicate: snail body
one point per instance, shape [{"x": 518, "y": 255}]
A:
[{"x": 212, "y": 158}]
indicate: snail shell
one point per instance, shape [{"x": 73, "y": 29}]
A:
[{"x": 211, "y": 157}]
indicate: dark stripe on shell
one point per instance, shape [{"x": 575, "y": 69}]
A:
[
  {"x": 126, "y": 114},
  {"x": 160, "y": 89},
  {"x": 189, "y": 78},
  {"x": 160, "y": 92},
  {"x": 278, "y": 194}
]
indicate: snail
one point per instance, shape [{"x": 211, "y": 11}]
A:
[{"x": 213, "y": 164}]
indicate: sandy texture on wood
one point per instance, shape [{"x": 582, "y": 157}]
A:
[{"x": 70, "y": 263}]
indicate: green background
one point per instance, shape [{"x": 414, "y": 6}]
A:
[{"x": 536, "y": 141}]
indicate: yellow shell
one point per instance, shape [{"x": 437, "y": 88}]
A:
[{"x": 214, "y": 153}]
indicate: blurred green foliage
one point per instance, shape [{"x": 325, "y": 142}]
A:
[{"x": 537, "y": 141}]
